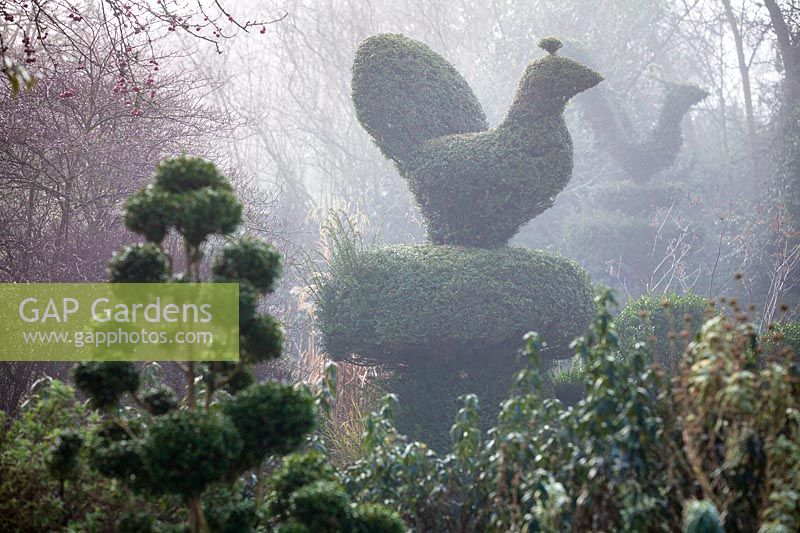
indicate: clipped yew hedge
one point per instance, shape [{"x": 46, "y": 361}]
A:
[{"x": 410, "y": 302}]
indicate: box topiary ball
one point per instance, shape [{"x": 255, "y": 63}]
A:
[{"x": 185, "y": 451}]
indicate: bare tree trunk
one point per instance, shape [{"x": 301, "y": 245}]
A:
[
  {"x": 786, "y": 247},
  {"x": 723, "y": 107},
  {"x": 790, "y": 53},
  {"x": 744, "y": 72}
]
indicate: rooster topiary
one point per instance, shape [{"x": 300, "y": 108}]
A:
[
  {"x": 448, "y": 316},
  {"x": 475, "y": 186}
]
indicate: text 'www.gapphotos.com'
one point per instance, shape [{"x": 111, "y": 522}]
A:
[{"x": 79, "y": 339}]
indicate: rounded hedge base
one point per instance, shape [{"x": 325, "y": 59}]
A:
[
  {"x": 450, "y": 320},
  {"x": 410, "y": 303},
  {"x": 429, "y": 392}
]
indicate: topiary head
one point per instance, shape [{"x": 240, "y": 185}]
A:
[
  {"x": 115, "y": 452},
  {"x": 249, "y": 259},
  {"x": 105, "y": 382},
  {"x": 188, "y": 194},
  {"x": 159, "y": 400},
  {"x": 549, "y": 82},
  {"x": 203, "y": 212},
  {"x": 187, "y": 450},
  {"x": 684, "y": 95},
  {"x": 229, "y": 509},
  {"x": 550, "y": 44},
  {"x": 186, "y": 173},
  {"x": 321, "y": 506},
  {"x": 140, "y": 263},
  {"x": 150, "y": 213},
  {"x": 261, "y": 339},
  {"x": 296, "y": 470},
  {"x": 272, "y": 418}
]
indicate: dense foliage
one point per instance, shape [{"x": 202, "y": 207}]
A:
[
  {"x": 631, "y": 456},
  {"x": 664, "y": 323},
  {"x": 36, "y": 496}
]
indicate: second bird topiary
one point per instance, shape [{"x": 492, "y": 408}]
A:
[{"x": 449, "y": 316}]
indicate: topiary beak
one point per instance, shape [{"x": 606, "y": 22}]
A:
[{"x": 591, "y": 78}]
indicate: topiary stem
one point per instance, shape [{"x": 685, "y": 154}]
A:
[
  {"x": 259, "y": 483},
  {"x": 197, "y": 519},
  {"x": 190, "y": 395}
]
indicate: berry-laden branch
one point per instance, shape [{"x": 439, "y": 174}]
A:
[{"x": 35, "y": 30}]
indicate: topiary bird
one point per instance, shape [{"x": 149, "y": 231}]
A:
[
  {"x": 658, "y": 151},
  {"x": 640, "y": 158},
  {"x": 475, "y": 186}
]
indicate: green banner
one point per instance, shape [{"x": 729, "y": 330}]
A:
[{"x": 119, "y": 322}]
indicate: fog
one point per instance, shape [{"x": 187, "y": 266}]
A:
[
  {"x": 288, "y": 93},
  {"x": 456, "y": 265},
  {"x": 300, "y": 138},
  {"x": 694, "y": 220}
]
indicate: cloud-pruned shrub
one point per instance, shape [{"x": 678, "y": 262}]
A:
[{"x": 163, "y": 447}]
